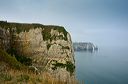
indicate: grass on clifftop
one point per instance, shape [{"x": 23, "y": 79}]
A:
[{"x": 21, "y": 27}]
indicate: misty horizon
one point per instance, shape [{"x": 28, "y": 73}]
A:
[{"x": 103, "y": 23}]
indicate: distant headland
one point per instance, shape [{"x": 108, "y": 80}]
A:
[{"x": 84, "y": 46}]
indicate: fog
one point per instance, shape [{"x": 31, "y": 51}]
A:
[{"x": 103, "y": 22}]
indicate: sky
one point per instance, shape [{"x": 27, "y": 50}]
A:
[{"x": 102, "y": 22}]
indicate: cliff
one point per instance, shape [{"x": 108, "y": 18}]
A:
[
  {"x": 45, "y": 47},
  {"x": 84, "y": 46}
]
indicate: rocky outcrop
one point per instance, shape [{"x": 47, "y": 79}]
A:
[
  {"x": 84, "y": 46},
  {"x": 48, "y": 48}
]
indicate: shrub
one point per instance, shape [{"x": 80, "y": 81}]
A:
[
  {"x": 24, "y": 60},
  {"x": 65, "y": 47},
  {"x": 70, "y": 67}
]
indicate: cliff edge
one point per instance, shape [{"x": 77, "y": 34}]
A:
[{"x": 45, "y": 47}]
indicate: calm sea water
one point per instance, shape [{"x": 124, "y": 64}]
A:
[{"x": 106, "y": 66}]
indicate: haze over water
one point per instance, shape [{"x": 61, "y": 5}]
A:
[{"x": 106, "y": 66}]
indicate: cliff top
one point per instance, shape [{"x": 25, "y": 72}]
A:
[
  {"x": 27, "y": 26},
  {"x": 22, "y": 27}
]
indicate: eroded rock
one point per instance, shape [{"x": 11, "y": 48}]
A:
[{"x": 48, "y": 48}]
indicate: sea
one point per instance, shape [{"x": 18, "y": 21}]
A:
[{"x": 107, "y": 65}]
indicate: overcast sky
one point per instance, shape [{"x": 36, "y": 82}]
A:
[{"x": 103, "y": 22}]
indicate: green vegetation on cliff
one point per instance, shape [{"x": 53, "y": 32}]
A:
[
  {"x": 26, "y": 27},
  {"x": 70, "y": 67},
  {"x": 10, "y": 60},
  {"x": 16, "y": 75}
]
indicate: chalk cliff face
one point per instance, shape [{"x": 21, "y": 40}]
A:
[{"x": 48, "y": 48}]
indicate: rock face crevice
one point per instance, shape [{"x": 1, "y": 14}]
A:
[{"x": 48, "y": 48}]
